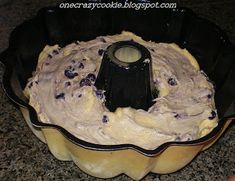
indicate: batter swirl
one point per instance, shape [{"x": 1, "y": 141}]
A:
[{"x": 63, "y": 93}]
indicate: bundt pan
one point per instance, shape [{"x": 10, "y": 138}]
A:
[{"x": 203, "y": 39}]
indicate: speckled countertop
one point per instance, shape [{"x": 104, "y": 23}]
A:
[{"x": 24, "y": 157}]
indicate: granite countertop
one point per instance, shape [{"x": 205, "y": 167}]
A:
[{"x": 24, "y": 157}]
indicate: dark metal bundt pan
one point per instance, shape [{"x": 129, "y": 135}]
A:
[{"x": 204, "y": 40}]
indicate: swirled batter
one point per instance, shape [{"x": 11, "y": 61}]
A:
[{"x": 63, "y": 93}]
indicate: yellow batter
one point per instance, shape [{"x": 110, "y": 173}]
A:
[{"x": 63, "y": 93}]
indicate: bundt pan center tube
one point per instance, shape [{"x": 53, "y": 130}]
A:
[{"x": 126, "y": 76}]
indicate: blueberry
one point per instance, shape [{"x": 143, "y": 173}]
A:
[
  {"x": 85, "y": 82},
  {"x": 79, "y": 95},
  {"x": 30, "y": 85},
  {"x": 49, "y": 56},
  {"x": 70, "y": 74},
  {"x": 91, "y": 77},
  {"x": 36, "y": 82},
  {"x": 55, "y": 52},
  {"x": 209, "y": 96},
  {"x": 105, "y": 119},
  {"x": 213, "y": 115},
  {"x": 99, "y": 94},
  {"x": 177, "y": 116},
  {"x": 60, "y": 96},
  {"x": 67, "y": 84},
  {"x": 189, "y": 139},
  {"x": 172, "y": 82},
  {"x": 100, "y": 52},
  {"x": 81, "y": 65}
]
